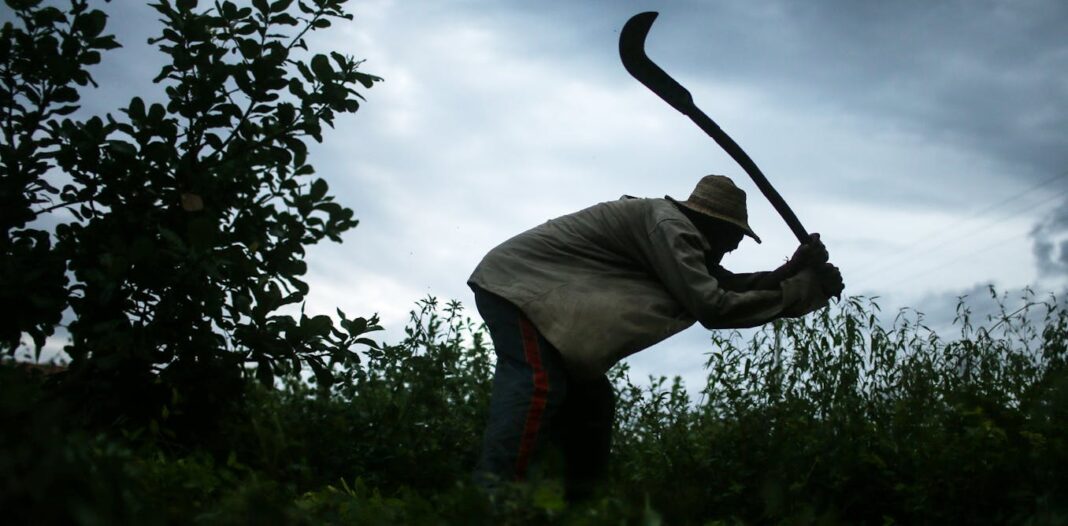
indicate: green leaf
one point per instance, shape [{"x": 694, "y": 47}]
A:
[
  {"x": 91, "y": 24},
  {"x": 122, "y": 148},
  {"x": 322, "y": 374},
  {"x": 229, "y": 10},
  {"x": 277, "y": 6},
  {"x": 340, "y": 60},
  {"x": 66, "y": 110},
  {"x": 320, "y": 65},
  {"x": 284, "y": 19},
  {"x": 156, "y": 113},
  {"x": 318, "y": 189},
  {"x": 136, "y": 109},
  {"x": 47, "y": 16},
  {"x": 104, "y": 43},
  {"x": 355, "y": 326},
  {"x": 319, "y": 325},
  {"x": 365, "y": 79},
  {"x": 247, "y": 28},
  {"x": 186, "y": 5},
  {"x": 65, "y": 94},
  {"x": 214, "y": 141},
  {"x": 286, "y": 113},
  {"x": 89, "y": 58},
  {"x": 250, "y": 49},
  {"x": 163, "y": 73}
]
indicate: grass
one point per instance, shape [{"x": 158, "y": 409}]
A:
[{"x": 832, "y": 419}]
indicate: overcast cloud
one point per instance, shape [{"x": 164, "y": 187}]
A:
[{"x": 926, "y": 141}]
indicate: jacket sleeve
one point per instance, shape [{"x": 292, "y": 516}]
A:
[
  {"x": 675, "y": 251},
  {"x": 738, "y": 282}
]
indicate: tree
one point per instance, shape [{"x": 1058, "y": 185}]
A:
[{"x": 190, "y": 217}]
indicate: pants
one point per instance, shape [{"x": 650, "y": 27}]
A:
[{"x": 536, "y": 404}]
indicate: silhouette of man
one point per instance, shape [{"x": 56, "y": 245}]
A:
[{"x": 566, "y": 300}]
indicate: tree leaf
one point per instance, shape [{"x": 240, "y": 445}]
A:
[
  {"x": 277, "y": 6},
  {"x": 322, "y": 374},
  {"x": 320, "y": 65},
  {"x": 105, "y": 43},
  {"x": 318, "y": 189},
  {"x": 365, "y": 79},
  {"x": 122, "y": 148},
  {"x": 91, "y": 24},
  {"x": 136, "y": 109},
  {"x": 250, "y": 49}
]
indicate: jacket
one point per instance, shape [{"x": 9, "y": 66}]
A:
[{"x": 620, "y": 276}]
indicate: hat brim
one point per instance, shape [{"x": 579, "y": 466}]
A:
[{"x": 746, "y": 229}]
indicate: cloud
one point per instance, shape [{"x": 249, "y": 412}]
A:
[
  {"x": 983, "y": 75},
  {"x": 1050, "y": 242}
]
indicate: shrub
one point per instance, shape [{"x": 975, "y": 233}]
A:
[
  {"x": 832, "y": 419},
  {"x": 180, "y": 226},
  {"x": 835, "y": 418}
]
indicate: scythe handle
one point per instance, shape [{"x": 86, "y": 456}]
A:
[{"x": 738, "y": 154}]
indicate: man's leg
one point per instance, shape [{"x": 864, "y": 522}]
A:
[
  {"x": 586, "y": 422},
  {"x": 529, "y": 385}
]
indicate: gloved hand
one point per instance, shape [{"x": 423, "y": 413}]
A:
[
  {"x": 809, "y": 255},
  {"x": 830, "y": 280}
]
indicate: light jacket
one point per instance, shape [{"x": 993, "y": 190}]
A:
[{"x": 613, "y": 279}]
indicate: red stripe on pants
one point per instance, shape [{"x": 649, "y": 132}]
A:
[{"x": 538, "y": 399}]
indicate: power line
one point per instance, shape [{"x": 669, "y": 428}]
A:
[
  {"x": 943, "y": 263},
  {"x": 985, "y": 248},
  {"x": 945, "y": 230},
  {"x": 926, "y": 242}
]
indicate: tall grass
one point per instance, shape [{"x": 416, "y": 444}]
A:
[
  {"x": 836, "y": 418},
  {"x": 832, "y": 419}
]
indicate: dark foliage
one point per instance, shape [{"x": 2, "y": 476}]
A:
[
  {"x": 836, "y": 419},
  {"x": 180, "y": 226},
  {"x": 829, "y": 420}
]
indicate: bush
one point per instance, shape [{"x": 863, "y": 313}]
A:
[
  {"x": 174, "y": 233},
  {"x": 832, "y": 419},
  {"x": 409, "y": 414}
]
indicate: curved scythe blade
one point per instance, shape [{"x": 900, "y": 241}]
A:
[
  {"x": 641, "y": 67},
  {"x": 638, "y": 64}
]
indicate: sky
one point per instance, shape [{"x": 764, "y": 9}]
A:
[{"x": 927, "y": 142}]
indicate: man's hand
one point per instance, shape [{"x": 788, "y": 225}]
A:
[
  {"x": 809, "y": 255},
  {"x": 830, "y": 280}
]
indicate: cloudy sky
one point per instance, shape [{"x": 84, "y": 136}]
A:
[{"x": 926, "y": 141}]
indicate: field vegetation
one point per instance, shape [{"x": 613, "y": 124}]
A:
[{"x": 832, "y": 419}]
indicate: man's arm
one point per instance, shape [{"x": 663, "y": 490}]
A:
[
  {"x": 749, "y": 281},
  {"x": 809, "y": 255},
  {"x": 676, "y": 258}
]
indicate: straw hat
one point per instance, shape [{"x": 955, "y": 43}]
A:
[{"x": 716, "y": 196}]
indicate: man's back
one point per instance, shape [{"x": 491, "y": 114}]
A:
[
  {"x": 578, "y": 276},
  {"x": 615, "y": 278}
]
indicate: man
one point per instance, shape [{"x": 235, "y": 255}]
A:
[{"x": 566, "y": 300}]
